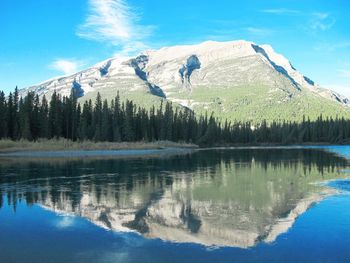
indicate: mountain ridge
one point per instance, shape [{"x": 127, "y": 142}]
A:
[{"x": 205, "y": 77}]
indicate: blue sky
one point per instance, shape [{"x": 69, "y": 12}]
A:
[{"x": 41, "y": 39}]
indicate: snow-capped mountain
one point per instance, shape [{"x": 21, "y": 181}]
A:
[{"x": 235, "y": 79}]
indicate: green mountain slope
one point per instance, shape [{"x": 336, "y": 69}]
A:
[{"x": 236, "y": 80}]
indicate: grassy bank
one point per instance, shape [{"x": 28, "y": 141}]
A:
[{"x": 67, "y": 145}]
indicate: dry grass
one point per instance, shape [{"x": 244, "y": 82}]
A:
[{"x": 67, "y": 145}]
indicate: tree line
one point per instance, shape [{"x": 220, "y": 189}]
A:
[{"x": 32, "y": 118}]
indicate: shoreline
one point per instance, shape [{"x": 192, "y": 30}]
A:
[
  {"x": 97, "y": 153},
  {"x": 67, "y": 149}
]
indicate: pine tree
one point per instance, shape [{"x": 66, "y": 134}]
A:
[
  {"x": 210, "y": 135},
  {"x": 106, "y": 127},
  {"x": 10, "y": 117},
  {"x": 25, "y": 114},
  {"x": 44, "y": 119},
  {"x": 97, "y": 118},
  {"x": 55, "y": 116},
  {"x": 117, "y": 121},
  {"x": 3, "y": 116},
  {"x": 128, "y": 127},
  {"x": 74, "y": 117},
  {"x": 85, "y": 131},
  {"x": 35, "y": 118},
  {"x": 15, "y": 117},
  {"x": 167, "y": 123}
]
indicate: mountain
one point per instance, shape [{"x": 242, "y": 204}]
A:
[{"x": 237, "y": 80}]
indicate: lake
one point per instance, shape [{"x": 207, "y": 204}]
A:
[{"x": 219, "y": 205}]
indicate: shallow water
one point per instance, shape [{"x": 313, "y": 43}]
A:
[{"x": 247, "y": 205}]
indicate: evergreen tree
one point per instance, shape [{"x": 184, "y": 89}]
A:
[
  {"x": 128, "y": 127},
  {"x": 117, "y": 119},
  {"x": 44, "y": 119},
  {"x": 3, "y": 116},
  {"x": 28, "y": 118},
  {"x": 55, "y": 116},
  {"x": 15, "y": 117},
  {"x": 97, "y": 118},
  {"x": 25, "y": 114},
  {"x": 35, "y": 118},
  {"x": 85, "y": 131},
  {"x": 10, "y": 117},
  {"x": 106, "y": 123}
]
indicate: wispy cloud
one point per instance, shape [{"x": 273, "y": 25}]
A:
[
  {"x": 66, "y": 66},
  {"x": 330, "y": 47},
  {"x": 281, "y": 11},
  {"x": 344, "y": 73},
  {"x": 259, "y": 32},
  {"x": 227, "y": 34},
  {"x": 321, "y": 21},
  {"x": 317, "y": 21},
  {"x": 114, "y": 22}
]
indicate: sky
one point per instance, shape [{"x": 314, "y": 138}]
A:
[{"x": 41, "y": 39}]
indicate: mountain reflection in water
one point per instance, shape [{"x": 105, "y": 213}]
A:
[{"x": 234, "y": 198}]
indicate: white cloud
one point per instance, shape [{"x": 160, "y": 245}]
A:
[
  {"x": 345, "y": 73},
  {"x": 116, "y": 23},
  {"x": 66, "y": 66},
  {"x": 321, "y": 21},
  {"x": 281, "y": 11},
  {"x": 260, "y": 32},
  {"x": 332, "y": 46}
]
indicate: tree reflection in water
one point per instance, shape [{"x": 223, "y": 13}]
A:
[{"x": 212, "y": 197}]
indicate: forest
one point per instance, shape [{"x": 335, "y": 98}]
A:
[{"x": 119, "y": 120}]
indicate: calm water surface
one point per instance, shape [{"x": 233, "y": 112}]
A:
[{"x": 252, "y": 205}]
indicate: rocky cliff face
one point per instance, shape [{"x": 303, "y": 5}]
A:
[{"x": 233, "y": 79}]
